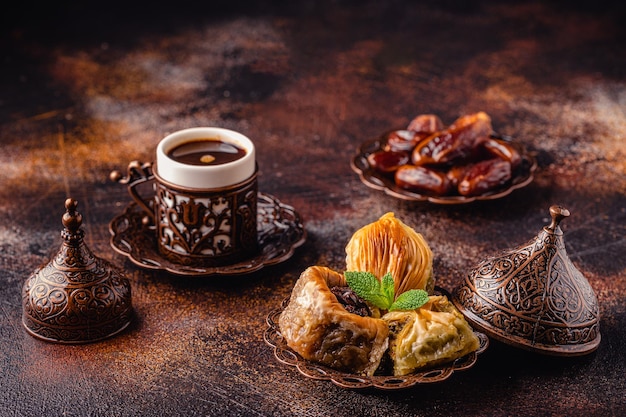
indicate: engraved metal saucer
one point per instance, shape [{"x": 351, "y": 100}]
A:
[
  {"x": 285, "y": 355},
  {"x": 279, "y": 228},
  {"x": 533, "y": 297}
]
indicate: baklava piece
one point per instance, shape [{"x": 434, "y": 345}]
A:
[
  {"x": 431, "y": 335},
  {"x": 389, "y": 245},
  {"x": 316, "y": 325}
]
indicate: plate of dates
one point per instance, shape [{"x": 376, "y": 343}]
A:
[{"x": 460, "y": 163}]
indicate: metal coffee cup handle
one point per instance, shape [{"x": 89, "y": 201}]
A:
[{"x": 137, "y": 174}]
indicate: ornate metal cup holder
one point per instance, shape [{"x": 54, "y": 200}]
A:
[{"x": 279, "y": 232}]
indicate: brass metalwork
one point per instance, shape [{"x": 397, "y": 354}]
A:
[
  {"x": 76, "y": 297},
  {"x": 279, "y": 232},
  {"x": 533, "y": 297},
  {"x": 197, "y": 227}
]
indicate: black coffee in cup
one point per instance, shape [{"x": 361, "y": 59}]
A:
[
  {"x": 204, "y": 204},
  {"x": 206, "y": 152}
]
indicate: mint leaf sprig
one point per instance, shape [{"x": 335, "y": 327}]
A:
[{"x": 381, "y": 292}]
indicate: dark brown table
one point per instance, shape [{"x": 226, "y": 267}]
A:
[{"x": 86, "y": 89}]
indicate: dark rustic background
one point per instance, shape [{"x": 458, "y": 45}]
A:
[{"x": 85, "y": 89}]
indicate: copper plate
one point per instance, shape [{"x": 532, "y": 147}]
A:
[
  {"x": 285, "y": 355},
  {"x": 280, "y": 231},
  {"x": 374, "y": 179}
]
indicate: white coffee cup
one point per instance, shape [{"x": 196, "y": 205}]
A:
[
  {"x": 205, "y": 176},
  {"x": 203, "y": 213}
]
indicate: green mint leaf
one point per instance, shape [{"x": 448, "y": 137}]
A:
[
  {"x": 388, "y": 288},
  {"x": 362, "y": 283},
  {"x": 378, "y": 300},
  {"x": 410, "y": 300},
  {"x": 368, "y": 287}
]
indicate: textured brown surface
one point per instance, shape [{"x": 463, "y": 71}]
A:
[{"x": 85, "y": 90}]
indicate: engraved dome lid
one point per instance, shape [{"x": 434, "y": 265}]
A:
[
  {"x": 533, "y": 297},
  {"x": 76, "y": 297}
]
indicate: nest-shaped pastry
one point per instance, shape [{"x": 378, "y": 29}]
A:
[
  {"x": 389, "y": 245},
  {"x": 317, "y": 326},
  {"x": 433, "y": 334}
]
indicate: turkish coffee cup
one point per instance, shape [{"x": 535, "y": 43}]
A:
[{"x": 203, "y": 199}]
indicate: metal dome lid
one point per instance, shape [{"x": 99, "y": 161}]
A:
[
  {"x": 533, "y": 297},
  {"x": 76, "y": 297}
]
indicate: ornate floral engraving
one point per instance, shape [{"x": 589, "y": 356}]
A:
[
  {"x": 279, "y": 232},
  {"x": 533, "y": 295},
  {"x": 206, "y": 228},
  {"x": 77, "y": 297}
]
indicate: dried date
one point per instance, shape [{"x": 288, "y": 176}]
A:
[
  {"x": 499, "y": 148},
  {"x": 422, "y": 179},
  {"x": 387, "y": 161},
  {"x": 485, "y": 176},
  {"x": 456, "y": 174},
  {"x": 458, "y": 142},
  {"x": 404, "y": 140},
  {"x": 430, "y": 123}
]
